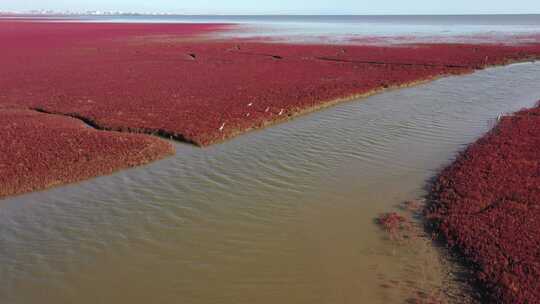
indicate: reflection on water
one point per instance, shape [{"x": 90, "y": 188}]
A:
[{"x": 282, "y": 215}]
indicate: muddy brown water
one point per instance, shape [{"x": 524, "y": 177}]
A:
[{"x": 281, "y": 215}]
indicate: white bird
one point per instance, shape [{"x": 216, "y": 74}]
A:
[
  {"x": 250, "y": 104},
  {"x": 281, "y": 112},
  {"x": 222, "y": 126}
]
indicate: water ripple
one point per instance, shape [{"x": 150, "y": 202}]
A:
[{"x": 279, "y": 215}]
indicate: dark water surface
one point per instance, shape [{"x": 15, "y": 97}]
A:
[{"x": 281, "y": 215}]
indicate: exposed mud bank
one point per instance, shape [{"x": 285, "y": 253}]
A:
[{"x": 487, "y": 206}]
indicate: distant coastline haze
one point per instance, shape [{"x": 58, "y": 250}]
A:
[{"x": 315, "y": 7}]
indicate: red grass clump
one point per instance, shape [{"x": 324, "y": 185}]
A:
[
  {"x": 166, "y": 79},
  {"x": 413, "y": 206},
  {"x": 397, "y": 226},
  {"x": 38, "y": 151},
  {"x": 487, "y": 205},
  {"x": 434, "y": 297}
]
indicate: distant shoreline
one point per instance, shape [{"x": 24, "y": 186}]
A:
[{"x": 262, "y": 15}]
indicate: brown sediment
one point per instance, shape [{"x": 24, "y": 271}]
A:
[
  {"x": 486, "y": 205},
  {"x": 404, "y": 229}
]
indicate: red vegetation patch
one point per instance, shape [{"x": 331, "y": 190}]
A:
[
  {"x": 169, "y": 80},
  {"x": 487, "y": 204},
  {"x": 397, "y": 226},
  {"x": 38, "y": 151},
  {"x": 163, "y": 79}
]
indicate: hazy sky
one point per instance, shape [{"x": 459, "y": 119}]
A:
[{"x": 284, "y": 6}]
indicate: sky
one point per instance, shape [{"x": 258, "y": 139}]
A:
[{"x": 352, "y": 7}]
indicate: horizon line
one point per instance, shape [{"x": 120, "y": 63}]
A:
[{"x": 45, "y": 12}]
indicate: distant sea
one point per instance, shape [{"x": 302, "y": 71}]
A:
[{"x": 344, "y": 28}]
